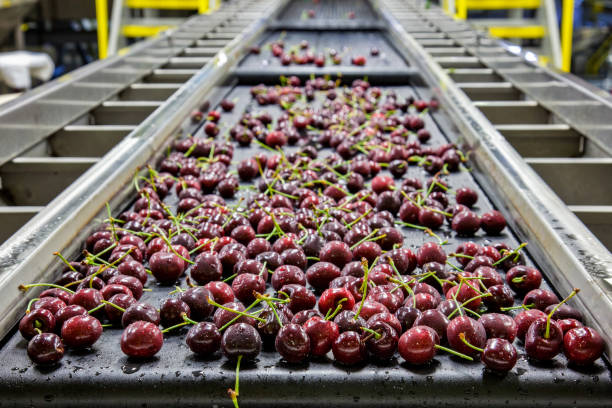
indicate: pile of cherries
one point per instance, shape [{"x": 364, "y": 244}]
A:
[
  {"x": 307, "y": 255},
  {"x": 303, "y": 54}
]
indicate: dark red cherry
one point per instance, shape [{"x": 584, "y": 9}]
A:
[
  {"x": 523, "y": 278},
  {"x": 222, "y": 292},
  {"x": 203, "y": 338},
  {"x": 348, "y": 349},
  {"x": 292, "y": 343},
  {"x": 540, "y": 298},
  {"x": 489, "y": 276},
  {"x": 197, "y": 300},
  {"x": 241, "y": 339},
  {"x": 465, "y": 223},
  {"x": 346, "y": 321},
  {"x": 66, "y": 313},
  {"x": 172, "y": 310},
  {"x": 88, "y": 298},
  {"x": 140, "y": 312},
  {"x": 303, "y": 315},
  {"x": 63, "y": 295},
  {"x": 300, "y": 298},
  {"x": 383, "y": 345},
  {"x": 123, "y": 301},
  {"x": 337, "y": 253},
  {"x": 287, "y": 274},
  {"x": 246, "y": 285},
  {"x": 492, "y": 222},
  {"x": 81, "y": 331},
  {"x": 474, "y": 332},
  {"x": 418, "y": 345},
  {"x": 435, "y": 319},
  {"x": 568, "y": 324},
  {"x": 132, "y": 283},
  {"x": 45, "y": 349},
  {"x": 564, "y": 311},
  {"x": 501, "y": 296},
  {"x": 466, "y": 196},
  {"x": 109, "y": 291},
  {"x": 430, "y": 252},
  {"x": 369, "y": 308},
  {"x": 166, "y": 267},
  {"x": 583, "y": 345},
  {"x": 499, "y": 326},
  {"x": 539, "y": 345},
  {"x": 52, "y": 304},
  {"x": 499, "y": 355},
  {"x": 222, "y": 316},
  {"x": 321, "y": 274},
  {"x": 333, "y": 297},
  {"x": 41, "y": 319},
  {"x": 524, "y": 319},
  {"x": 322, "y": 334},
  {"x": 207, "y": 268},
  {"x": 406, "y": 316},
  {"x": 141, "y": 340}
]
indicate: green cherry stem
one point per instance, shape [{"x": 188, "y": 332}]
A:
[
  {"x": 467, "y": 343},
  {"x": 456, "y": 353},
  {"x": 372, "y": 333},
  {"x": 239, "y": 313},
  {"x": 25, "y": 288},
  {"x": 552, "y": 312},
  {"x": 233, "y": 394}
]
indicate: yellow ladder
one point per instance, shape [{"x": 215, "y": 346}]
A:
[{"x": 544, "y": 27}]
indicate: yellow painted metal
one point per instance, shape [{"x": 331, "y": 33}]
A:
[
  {"x": 204, "y": 6},
  {"x": 567, "y": 32},
  {"x": 518, "y": 32},
  {"x": 464, "y": 5},
  {"x": 137, "y": 31},
  {"x": 165, "y": 4},
  {"x": 102, "y": 18}
]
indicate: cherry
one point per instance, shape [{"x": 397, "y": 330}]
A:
[
  {"x": 524, "y": 319},
  {"x": 381, "y": 340},
  {"x": 499, "y": 355},
  {"x": 583, "y": 345},
  {"x": 492, "y": 222},
  {"x": 292, "y": 343},
  {"x": 385, "y": 317},
  {"x": 563, "y": 311},
  {"x": 41, "y": 319},
  {"x": 227, "y": 105},
  {"x": 358, "y": 60},
  {"x": 111, "y": 290},
  {"x": 132, "y": 283},
  {"x": 430, "y": 219},
  {"x": 52, "y": 304},
  {"x": 81, "y": 331},
  {"x": 166, "y": 267},
  {"x": 523, "y": 278},
  {"x": 430, "y": 252},
  {"x": 499, "y": 326},
  {"x": 66, "y": 313},
  {"x": 321, "y": 274},
  {"x": 539, "y": 345},
  {"x": 346, "y": 321},
  {"x": 88, "y": 298},
  {"x": 322, "y": 334},
  {"x": 287, "y": 274},
  {"x": 501, "y": 296},
  {"x": 303, "y": 315},
  {"x": 203, "y": 338},
  {"x": 300, "y": 298},
  {"x": 418, "y": 345},
  {"x": 207, "y": 268},
  {"x": 333, "y": 297},
  {"x": 337, "y": 253},
  {"x": 172, "y": 310},
  {"x": 140, "y": 312},
  {"x": 141, "y": 340},
  {"x": 245, "y": 285},
  {"x": 473, "y": 331},
  {"x": 568, "y": 324},
  {"x": 241, "y": 339},
  {"x": 422, "y": 301},
  {"x": 61, "y": 294},
  {"x": 221, "y": 291},
  {"x": 434, "y": 319},
  {"x": 489, "y": 277},
  {"x": 272, "y": 322},
  {"x": 123, "y": 301},
  {"x": 197, "y": 299},
  {"x": 223, "y": 317},
  {"x": 466, "y": 196},
  {"x": 406, "y": 316},
  {"x": 258, "y": 246},
  {"x": 540, "y": 298},
  {"x": 348, "y": 348},
  {"x": 465, "y": 223},
  {"x": 369, "y": 308},
  {"x": 45, "y": 349}
]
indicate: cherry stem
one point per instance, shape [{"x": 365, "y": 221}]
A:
[
  {"x": 364, "y": 239},
  {"x": 467, "y": 343},
  {"x": 376, "y": 334},
  {"x": 226, "y": 325},
  {"x": 229, "y": 278},
  {"x": 176, "y": 326},
  {"x": 524, "y": 307},
  {"x": 235, "y": 392},
  {"x": 24, "y": 288},
  {"x": 456, "y": 353},
  {"x": 271, "y": 305},
  {"x": 467, "y": 302},
  {"x": 239, "y": 313},
  {"x": 106, "y": 302},
  {"x": 337, "y": 310},
  {"x": 38, "y": 330},
  {"x": 60, "y": 256},
  {"x": 30, "y": 304},
  {"x": 511, "y": 253},
  {"x": 552, "y": 312},
  {"x": 364, "y": 286}
]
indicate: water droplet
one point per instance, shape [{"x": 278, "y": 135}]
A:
[{"x": 130, "y": 368}]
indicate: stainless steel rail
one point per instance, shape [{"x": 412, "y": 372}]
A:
[
  {"x": 569, "y": 253},
  {"x": 47, "y": 133},
  {"x": 27, "y": 257}
]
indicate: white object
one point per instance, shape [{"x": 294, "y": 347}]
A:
[{"x": 17, "y": 68}]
